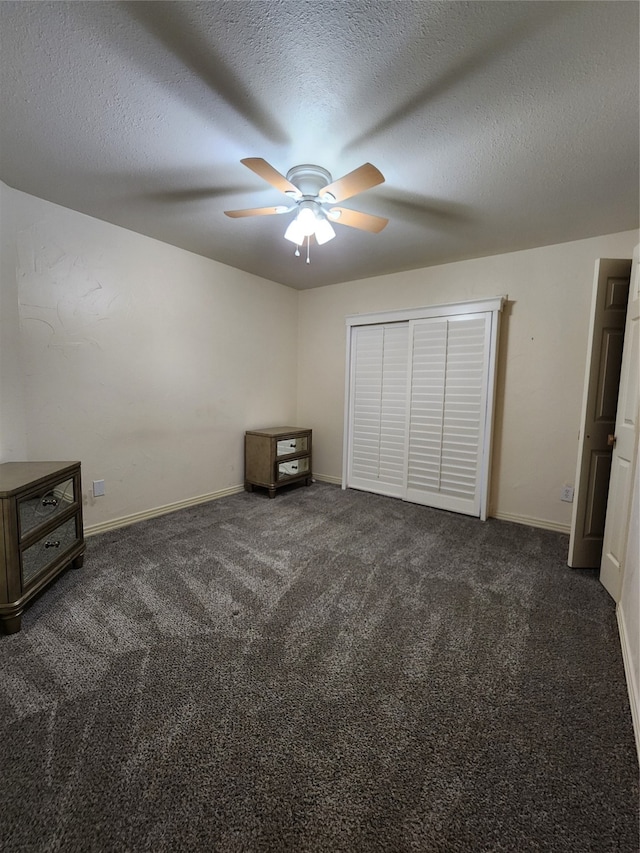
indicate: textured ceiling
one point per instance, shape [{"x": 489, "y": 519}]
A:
[{"x": 498, "y": 125}]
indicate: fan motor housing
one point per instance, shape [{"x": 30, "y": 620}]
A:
[{"x": 309, "y": 179}]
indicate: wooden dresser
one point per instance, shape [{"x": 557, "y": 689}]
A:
[
  {"x": 41, "y": 531},
  {"x": 277, "y": 456}
]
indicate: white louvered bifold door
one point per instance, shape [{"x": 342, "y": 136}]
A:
[
  {"x": 447, "y": 408},
  {"x": 379, "y": 365}
]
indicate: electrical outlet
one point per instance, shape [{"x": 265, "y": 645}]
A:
[
  {"x": 567, "y": 494},
  {"x": 98, "y": 488}
]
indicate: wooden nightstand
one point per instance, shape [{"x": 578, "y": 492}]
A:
[
  {"x": 277, "y": 456},
  {"x": 41, "y": 531}
]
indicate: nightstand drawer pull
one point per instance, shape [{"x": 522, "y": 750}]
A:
[
  {"x": 54, "y": 544},
  {"x": 49, "y": 501}
]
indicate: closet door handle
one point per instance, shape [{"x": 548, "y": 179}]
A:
[{"x": 611, "y": 440}]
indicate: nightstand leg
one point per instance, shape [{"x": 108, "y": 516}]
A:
[
  {"x": 78, "y": 562},
  {"x": 11, "y": 624},
  {"x": 272, "y": 493}
]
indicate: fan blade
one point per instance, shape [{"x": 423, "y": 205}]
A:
[
  {"x": 355, "y": 219},
  {"x": 361, "y": 179},
  {"x": 270, "y": 175},
  {"x": 257, "y": 211}
]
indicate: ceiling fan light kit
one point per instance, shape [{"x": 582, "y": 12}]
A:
[
  {"x": 324, "y": 232},
  {"x": 310, "y": 221},
  {"x": 313, "y": 191}
]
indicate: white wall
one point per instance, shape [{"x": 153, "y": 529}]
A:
[
  {"x": 13, "y": 443},
  {"x": 541, "y": 366},
  {"x": 142, "y": 360}
]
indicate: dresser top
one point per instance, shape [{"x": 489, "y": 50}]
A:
[
  {"x": 16, "y": 475},
  {"x": 276, "y": 431}
]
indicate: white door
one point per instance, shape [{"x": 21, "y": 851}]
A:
[
  {"x": 618, "y": 506},
  {"x": 447, "y": 411},
  {"x": 602, "y": 380},
  {"x": 379, "y": 363}
]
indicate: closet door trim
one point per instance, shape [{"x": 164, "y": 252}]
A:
[{"x": 475, "y": 306}]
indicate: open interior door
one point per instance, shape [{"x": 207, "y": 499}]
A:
[
  {"x": 599, "y": 406},
  {"x": 624, "y": 444}
]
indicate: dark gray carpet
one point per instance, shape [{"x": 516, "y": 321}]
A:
[{"x": 326, "y": 671}]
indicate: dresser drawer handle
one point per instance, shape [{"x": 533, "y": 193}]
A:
[
  {"x": 49, "y": 501},
  {"x": 54, "y": 544}
]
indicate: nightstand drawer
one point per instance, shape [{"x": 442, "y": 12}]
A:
[
  {"x": 40, "y": 508},
  {"x": 288, "y": 446},
  {"x": 48, "y": 549},
  {"x": 293, "y": 468}
]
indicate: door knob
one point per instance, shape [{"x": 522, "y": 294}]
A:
[{"x": 611, "y": 440}]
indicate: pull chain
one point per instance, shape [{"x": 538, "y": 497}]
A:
[{"x": 297, "y": 251}]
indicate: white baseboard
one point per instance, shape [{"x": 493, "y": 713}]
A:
[
  {"x": 124, "y": 521},
  {"x": 115, "y": 523},
  {"x": 632, "y": 685},
  {"x": 325, "y": 478},
  {"x": 543, "y": 523},
  {"x": 532, "y": 522}
]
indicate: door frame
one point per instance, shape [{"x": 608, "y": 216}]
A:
[{"x": 494, "y": 304}]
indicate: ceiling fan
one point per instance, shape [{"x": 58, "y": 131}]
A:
[{"x": 314, "y": 195}]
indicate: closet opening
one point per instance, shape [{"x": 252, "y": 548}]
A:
[{"x": 419, "y": 407}]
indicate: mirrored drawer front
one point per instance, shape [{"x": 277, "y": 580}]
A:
[
  {"x": 287, "y": 446},
  {"x": 293, "y": 468},
  {"x": 38, "y": 556},
  {"x": 42, "y": 507}
]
